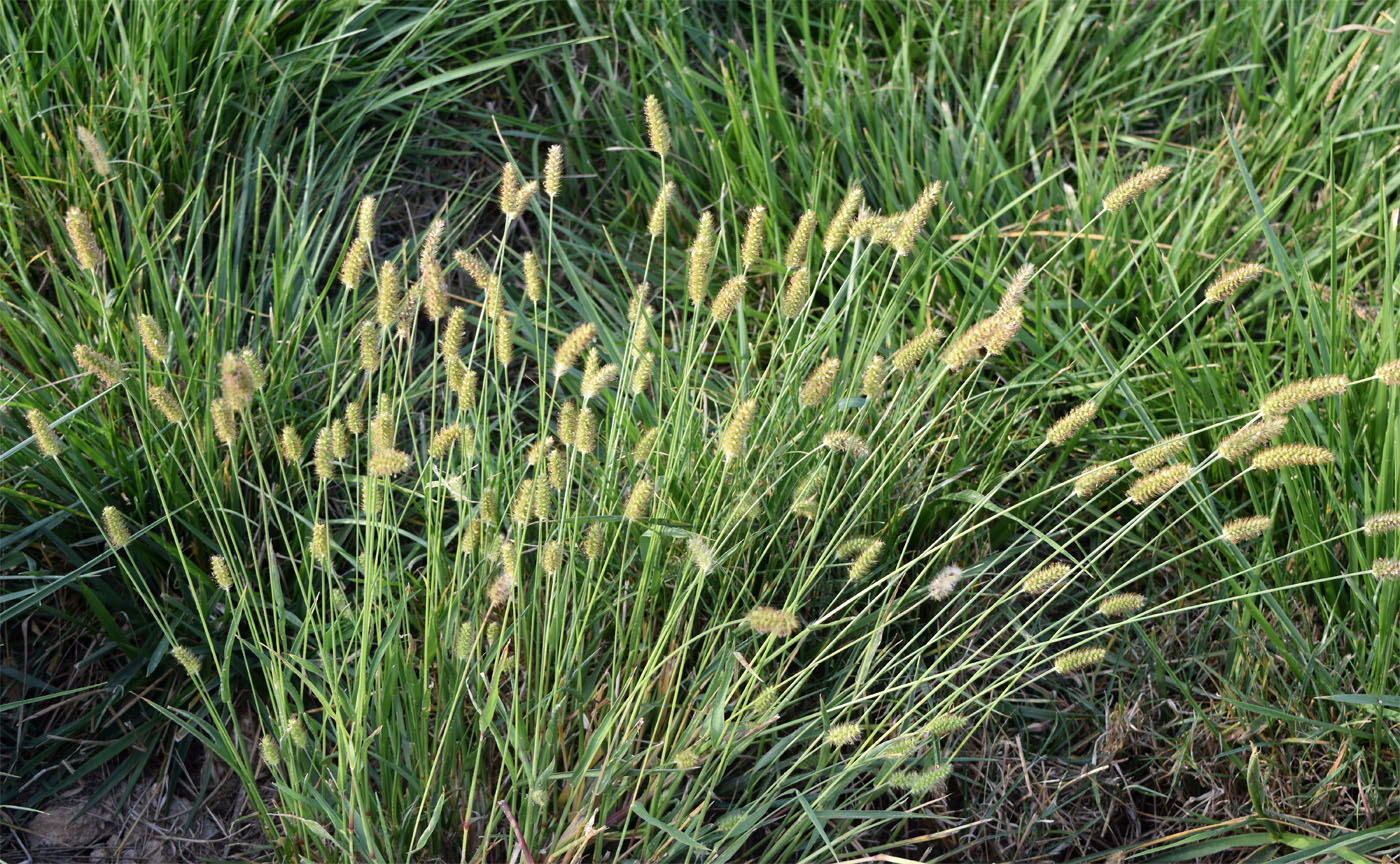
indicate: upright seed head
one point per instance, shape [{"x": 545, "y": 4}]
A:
[
  {"x": 1283, "y": 400},
  {"x": 1121, "y": 605},
  {"x": 736, "y": 434},
  {"x": 593, "y": 541},
  {"x": 840, "y": 227},
  {"x": 152, "y": 339},
  {"x": 44, "y": 437},
  {"x": 1015, "y": 292},
  {"x": 225, "y": 421},
  {"x": 107, "y": 370},
  {"x": 1045, "y": 577},
  {"x": 552, "y": 557},
  {"x": 240, "y": 380},
  {"x": 945, "y": 582},
  {"x": 639, "y": 501},
  {"x": 84, "y": 241},
  {"x": 728, "y": 298},
  {"x": 355, "y": 418},
  {"x": 323, "y": 455},
  {"x": 656, "y": 224},
  {"x": 1131, "y": 189},
  {"x": 554, "y": 171},
  {"x": 364, "y": 220},
  {"x": 801, "y": 239},
  {"x": 597, "y": 376},
  {"x": 912, "y": 221},
  {"x": 508, "y": 189},
  {"x": 567, "y": 354},
  {"x": 1241, "y": 443},
  {"x": 388, "y": 297},
  {"x": 387, "y": 463},
  {"x": 115, "y": 524},
  {"x": 646, "y": 443},
  {"x": 523, "y": 197},
  {"x": 1083, "y": 658},
  {"x": 443, "y": 439},
  {"x": 1382, "y": 523},
  {"x": 219, "y": 570},
  {"x": 1291, "y": 455},
  {"x": 290, "y": 445},
  {"x": 504, "y": 337},
  {"x": 817, "y": 387},
  {"x": 96, "y": 152},
  {"x": 430, "y": 283},
  {"x": 522, "y": 506},
  {"x": 701, "y": 555},
  {"x": 872, "y": 380},
  {"x": 271, "y": 752},
  {"x": 1067, "y": 426},
  {"x": 296, "y": 731},
  {"x": 453, "y": 335},
  {"x": 321, "y": 542},
  {"x": 795, "y": 297},
  {"x": 167, "y": 404},
  {"x": 534, "y": 278},
  {"x": 586, "y": 432},
  {"x": 1094, "y": 478},
  {"x": 697, "y": 274},
  {"x": 1238, "y": 531},
  {"x": 1157, "y": 455},
  {"x": 843, "y": 441},
  {"x": 1003, "y": 327},
  {"x": 773, "y": 622},
  {"x": 1158, "y": 483},
  {"x": 187, "y": 660},
  {"x": 353, "y": 266},
  {"x": 465, "y": 385},
  {"x": 1230, "y": 281},
  {"x": 567, "y": 424},
  {"x": 753, "y": 238},
  {"x": 658, "y": 131},
  {"x": 1389, "y": 373},
  {"x": 369, "y": 346},
  {"x": 907, "y": 358},
  {"x": 641, "y": 373}
]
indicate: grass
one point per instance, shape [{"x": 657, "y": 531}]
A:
[{"x": 1245, "y": 710}]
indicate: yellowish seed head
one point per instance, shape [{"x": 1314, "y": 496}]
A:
[
  {"x": 44, "y": 437},
  {"x": 1131, "y": 189},
  {"x": 1230, "y": 281},
  {"x": 736, "y": 433},
  {"x": 152, "y": 339},
  {"x": 658, "y": 130},
  {"x": 219, "y": 571},
  {"x": 365, "y": 219},
  {"x": 1158, "y": 483},
  {"x": 554, "y": 171},
  {"x": 656, "y": 224},
  {"x": 1066, "y": 427},
  {"x": 753, "y": 238},
  {"x": 638, "y": 505},
  {"x": 167, "y": 404},
  {"x": 801, "y": 239},
  {"x": 728, "y": 298},
  {"x": 96, "y": 152},
  {"x": 1244, "y": 529},
  {"x": 774, "y": 622},
  {"x": 115, "y": 524},
  {"x": 840, "y": 227},
  {"x": 84, "y": 241},
  {"x": 817, "y": 387},
  {"x": 1291, "y": 456}
]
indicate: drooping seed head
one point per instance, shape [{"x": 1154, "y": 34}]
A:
[
  {"x": 1158, "y": 483},
  {"x": 753, "y": 238},
  {"x": 1131, "y": 189},
  {"x": 639, "y": 501},
  {"x": 866, "y": 559},
  {"x": 1082, "y": 658},
  {"x": 943, "y": 725},
  {"x": 1290, "y": 456},
  {"x": 658, "y": 130},
  {"x": 1157, "y": 455},
  {"x": 795, "y": 296},
  {"x": 1241, "y": 443},
  {"x": 523, "y": 196},
  {"x": 118, "y": 535},
  {"x": 84, "y": 241},
  {"x": 801, "y": 239},
  {"x": 167, "y": 404},
  {"x": 945, "y": 582},
  {"x": 1244, "y": 529},
  {"x": 554, "y": 171},
  {"x": 772, "y": 622},
  {"x": 817, "y": 387},
  {"x": 1283, "y": 400},
  {"x": 152, "y": 339},
  {"x": 656, "y": 223},
  {"x": 840, "y": 227},
  {"x": 44, "y": 437},
  {"x": 842, "y": 735},
  {"x": 1094, "y": 478},
  {"x": 843, "y": 441},
  {"x": 289, "y": 445},
  {"x": 907, "y": 358},
  {"x": 1230, "y": 281},
  {"x": 1045, "y": 577},
  {"x": 922, "y": 783},
  {"x": 1382, "y": 523},
  {"x": 1015, "y": 292},
  {"x": 597, "y": 376},
  {"x": 95, "y": 151},
  {"x": 1067, "y": 426},
  {"x": 443, "y": 439},
  {"x": 95, "y": 363},
  {"x": 1121, "y": 605}
]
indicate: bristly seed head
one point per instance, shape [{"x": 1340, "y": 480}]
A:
[
  {"x": 701, "y": 555},
  {"x": 290, "y": 445},
  {"x": 795, "y": 297},
  {"x": 638, "y": 505},
  {"x": 1121, "y": 605},
  {"x": 1157, "y": 455},
  {"x": 321, "y": 542},
  {"x": 166, "y": 404},
  {"x": 117, "y": 533},
  {"x": 1045, "y": 577},
  {"x": 508, "y": 189},
  {"x": 353, "y": 267},
  {"x": 943, "y": 584},
  {"x": 1067, "y": 426},
  {"x": 1382, "y": 523},
  {"x": 728, "y": 298},
  {"x": 913, "y": 351},
  {"x": 554, "y": 171},
  {"x": 534, "y": 278},
  {"x": 1241, "y": 443},
  {"x": 912, "y": 221},
  {"x": 1389, "y": 373},
  {"x": 323, "y": 455},
  {"x": 842, "y": 735},
  {"x": 817, "y": 387},
  {"x": 736, "y": 433},
  {"x": 1230, "y": 281},
  {"x": 1386, "y": 569},
  {"x": 843, "y": 441},
  {"x": 801, "y": 239},
  {"x": 44, "y": 437},
  {"x": 96, "y": 152},
  {"x": 95, "y": 363},
  {"x": 1158, "y": 483},
  {"x": 364, "y": 220},
  {"x": 225, "y": 422},
  {"x": 1283, "y": 400},
  {"x": 1290, "y": 456},
  {"x": 840, "y": 227},
  {"x": 1247, "y": 528},
  {"x": 567, "y": 354},
  {"x": 219, "y": 571},
  {"x": 84, "y": 241},
  {"x": 774, "y": 622},
  {"x": 1094, "y": 478},
  {"x": 1131, "y": 189},
  {"x": 1083, "y": 658},
  {"x": 187, "y": 660},
  {"x": 443, "y": 439},
  {"x": 658, "y": 130},
  {"x": 656, "y": 223},
  {"x": 753, "y": 238},
  {"x": 152, "y": 339},
  {"x": 872, "y": 380}
]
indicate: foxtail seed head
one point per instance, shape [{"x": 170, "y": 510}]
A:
[
  {"x": 842, "y": 735},
  {"x": 323, "y": 455},
  {"x": 646, "y": 443},
  {"x": 1121, "y": 605},
  {"x": 44, "y": 437},
  {"x": 554, "y": 171},
  {"x": 167, "y": 404},
  {"x": 921, "y": 783},
  {"x": 753, "y": 238},
  {"x": 387, "y": 463},
  {"x": 800, "y": 240},
  {"x": 503, "y": 335},
  {"x": 508, "y": 189},
  {"x": 586, "y": 432},
  {"x": 597, "y": 376},
  {"x": 770, "y": 621},
  {"x": 387, "y": 296},
  {"x": 1283, "y": 400},
  {"x": 552, "y": 557},
  {"x": 187, "y": 660},
  {"x": 290, "y": 445},
  {"x": 736, "y": 433},
  {"x": 115, "y": 524},
  {"x": 355, "y": 418},
  {"x": 1157, "y": 455},
  {"x": 353, "y": 267},
  {"x": 1083, "y": 658},
  {"x": 1230, "y": 281},
  {"x": 534, "y": 278},
  {"x": 866, "y": 558},
  {"x": 593, "y": 541},
  {"x": 369, "y": 346},
  {"x": 656, "y": 224},
  {"x": 817, "y": 387},
  {"x": 225, "y": 421},
  {"x": 641, "y": 373},
  {"x": 1386, "y": 569},
  {"x": 1382, "y": 523},
  {"x": 840, "y": 227},
  {"x": 218, "y": 569},
  {"x": 795, "y": 297},
  {"x": 320, "y": 542},
  {"x": 658, "y": 130},
  {"x": 1015, "y": 291},
  {"x": 1158, "y": 483},
  {"x": 1291, "y": 455},
  {"x": 913, "y": 351},
  {"x": 1389, "y": 373},
  {"x": 872, "y": 380},
  {"x": 701, "y": 555},
  {"x": 1067, "y": 426},
  {"x": 1045, "y": 577},
  {"x": 728, "y": 298},
  {"x": 240, "y": 380},
  {"x": 1093, "y": 479},
  {"x": 943, "y": 585},
  {"x": 364, "y": 219},
  {"x": 154, "y": 341},
  {"x": 85, "y": 247},
  {"x": 107, "y": 370},
  {"x": 639, "y": 501},
  {"x": 943, "y": 725},
  {"x": 567, "y": 354},
  {"x": 1242, "y": 442},
  {"x": 912, "y": 221},
  {"x": 1238, "y": 531},
  {"x": 443, "y": 439},
  {"x": 1131, "y": 189},
  {"x": 843, "y": 441},
  {"x": 96, "y": 152}
]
